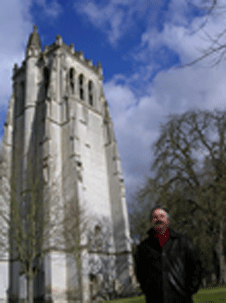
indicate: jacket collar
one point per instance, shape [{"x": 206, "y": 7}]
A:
[{"x": 173, "y": 233}]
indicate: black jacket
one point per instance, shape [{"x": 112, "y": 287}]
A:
[{"x": 172, "y": 273}]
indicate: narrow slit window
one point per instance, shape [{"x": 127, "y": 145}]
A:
[
  {"x": 81, "y": 89},
  {"x": 46, "y": 81},
  {"x": 72, "y": 80},
  {"x": 90, "y": 90}
]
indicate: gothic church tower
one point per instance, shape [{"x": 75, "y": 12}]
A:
[{"x": 59, "y": 124}]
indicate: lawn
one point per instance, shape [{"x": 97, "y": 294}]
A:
[
  {"x": 217, "y": 294},
  {"x": 210, "y": 295}
]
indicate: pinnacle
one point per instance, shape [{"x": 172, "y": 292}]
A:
[{"x": 34, "y": 39}]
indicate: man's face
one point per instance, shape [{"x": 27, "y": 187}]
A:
[{"x": 159, "y": 221}]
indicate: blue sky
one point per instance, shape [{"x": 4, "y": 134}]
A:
[{"x": 139, "y": 43}]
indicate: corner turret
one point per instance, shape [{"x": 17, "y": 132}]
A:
[{"x": 34, "y": 44}]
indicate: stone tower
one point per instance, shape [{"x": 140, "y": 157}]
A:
[{"x": 59, "y": 126}]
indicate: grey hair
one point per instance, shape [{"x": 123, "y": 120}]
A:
[{"x": 159, "y": 206}]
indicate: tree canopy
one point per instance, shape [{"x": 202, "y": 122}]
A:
[{"x": 189, "y": 177}]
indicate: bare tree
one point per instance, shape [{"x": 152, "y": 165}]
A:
[
  {"x": 83, "y": 233},
  {"x": 75, "y": 225},
  {"x": 30, "y": 226},
  {"x": 90, "y": 245},
  {"x": 217, "y": 43},
  {"x": 102, "y": 259},
  {"x": 190, "y": 177}
]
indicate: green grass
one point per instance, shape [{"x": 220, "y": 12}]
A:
[
  {"x": 214, "y": 295},
  {"x": 129, "y": 300},
  {"x": 209, "y": 295}
]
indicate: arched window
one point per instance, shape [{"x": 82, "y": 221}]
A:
[
  {"x": 90, "y": 92},
  {"x": 81, "y": 89},
  {"x": 46, "y": 81},
  {"x": 72, "y": 80}
]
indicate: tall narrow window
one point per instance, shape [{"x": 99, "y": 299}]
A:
[
  {"x": 90, "y": 90},
  {"x": 81, "y": 89},
  {"x": 46, "y": 81},
  {"x": 72, "y": 80}
]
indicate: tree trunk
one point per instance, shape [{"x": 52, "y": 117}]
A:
[
  {"x": 222, "y": 278},
  {"x": 78, "y": 254},
  {"x": 30, "y": 289},
  {"x": 79, "y": 264}
]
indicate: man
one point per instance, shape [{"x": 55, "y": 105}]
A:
[{"x": 166, "y": 264}]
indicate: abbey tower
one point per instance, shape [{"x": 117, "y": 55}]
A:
[{"x": 59, "y": 127}]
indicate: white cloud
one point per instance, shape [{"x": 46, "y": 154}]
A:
[
  {"x": 12, "y": 41},
  {"x": 15, "y": 26},
  {"x": 135, "y": 123},
  {"x": 120, "y": 98},
  {"x": 118, "y": 16},
  {"x": 50, "y": 9},
  {"x": 108, "y": 18},
  {"x": 182, "y": 33},
  {"x": 177, "y": 12},
  {"x": 184, "y": 89}
]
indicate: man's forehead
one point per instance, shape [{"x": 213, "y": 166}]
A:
[{"x": 159, "y": 211}]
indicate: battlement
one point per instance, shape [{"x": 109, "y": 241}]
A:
[{"x": 35, "y": 44}]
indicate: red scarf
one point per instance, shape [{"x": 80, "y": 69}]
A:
[{"x": 162, "y": 238}]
